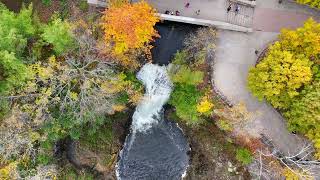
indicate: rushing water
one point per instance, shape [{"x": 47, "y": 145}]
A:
[{"x": 155, "y": 148}]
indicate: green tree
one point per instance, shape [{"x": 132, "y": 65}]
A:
[
  {"x": 186, "y": 76},
  {"x": 244, "y": 156},
  {"x": 15, "y": 29},
  {"x": 59, "y": 34},
  {"x": 185, "y": 98},
  {"x": 304, "y": 114},
  {"x": 13, "y": 73},
  {"x": 79, "y": 89}
]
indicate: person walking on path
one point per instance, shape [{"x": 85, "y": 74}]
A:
[
  {"x": 229, "y": 8},
  {"x": 198, "y": 12},
  {"x": 187, "y": 5},
  {"x": 237, "y": 9}
]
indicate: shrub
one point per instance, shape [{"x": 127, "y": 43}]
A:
[
  {"x": 59, "y": 34},
  {"x": 224, "y": 125},
  {"x": 244, "y": 156},
  {"x": 4, "y": 108},
  {"x": 15, "y": 29},
  {"x": 46, "y": 2},
  {"x": 9, "y": 171},
  {"x": 83, "y": 5},
  {"x": 13, "y": 73},
  {"x": 304, "y": 114},
  {"x": 205, "y": 106},
  {"x": 180, "y": 58},
  {"x": 185, "y": 99},
  {"x": 200, "y": 45},
  {"x": 185, "y": 75}
]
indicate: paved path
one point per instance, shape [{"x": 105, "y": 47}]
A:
[
  {"x": 270, "y": 16},
  {"x": 235, "y": 55},
  {"x": 266, "y": 19}
]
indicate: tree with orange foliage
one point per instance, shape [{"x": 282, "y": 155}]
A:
[{"x": 129, "y": 28}]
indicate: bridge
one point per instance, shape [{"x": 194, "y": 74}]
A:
[
  {"x": 205, "y": 22},
  {"x": 215, "y": 16}
]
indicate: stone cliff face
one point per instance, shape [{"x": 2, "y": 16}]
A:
[{"x": 99, "y": 156}]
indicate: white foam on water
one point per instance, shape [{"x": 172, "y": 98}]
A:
[
  {"x": 158, "y": 88},
  {"x": 157, "y": 92}
]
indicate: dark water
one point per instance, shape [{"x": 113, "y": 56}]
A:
[
  {"x": 158, "y": 154},
  {"x": 14, "y": 5},
  {"x": 171, "y": 40}
]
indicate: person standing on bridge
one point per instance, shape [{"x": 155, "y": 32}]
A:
[
  {"x": 198, "y": 12},
  {"x": 229, "y": 8},
  {"x": 237, "y": 9}
]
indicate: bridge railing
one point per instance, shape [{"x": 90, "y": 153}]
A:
[{"x": 204, "y": 22}]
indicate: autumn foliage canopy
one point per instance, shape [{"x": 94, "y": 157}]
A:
[{"x": 129, "y": 26}]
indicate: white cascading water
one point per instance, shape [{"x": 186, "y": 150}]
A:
[
  {"x": 157, "y": 92},
  {"x": 155, "y": 148}
]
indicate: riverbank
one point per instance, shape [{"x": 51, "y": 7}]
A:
[
  {"x": 212, "y": 154},
  {"x": 95, "y": 155}
]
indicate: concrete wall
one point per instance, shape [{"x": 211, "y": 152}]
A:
[
  {"x": 251, "y": 3},
  {"x": 204, "y": 22}
]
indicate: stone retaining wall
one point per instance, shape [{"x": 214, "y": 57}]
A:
[{"x": 204, "y": 22}]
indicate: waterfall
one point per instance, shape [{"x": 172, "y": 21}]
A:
[
  {"x": 155, "y": 148},
  {"x": 157, "y": 92}
]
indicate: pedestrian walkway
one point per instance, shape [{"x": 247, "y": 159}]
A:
[
  {"x": 242, "y": 18},
  {"x": 273, "y": 20},
  {"x": 235, "y": 55},
  {"x": 209, "y": 10}
]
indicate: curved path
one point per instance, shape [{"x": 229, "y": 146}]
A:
[{"x": 235, "y": 54}]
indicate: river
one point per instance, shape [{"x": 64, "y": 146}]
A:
[{"x": 156, "y": 147}]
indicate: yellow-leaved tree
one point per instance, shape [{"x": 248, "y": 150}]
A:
[
  {"x": 312, "y": 3},
  {"x": 205, "y": 106},
  {"x": 129, "y": 28},
  {"x": 288, "y": 77},
  {"x": 278, "y": 77},
  {"x": 289, "y": 65}
]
